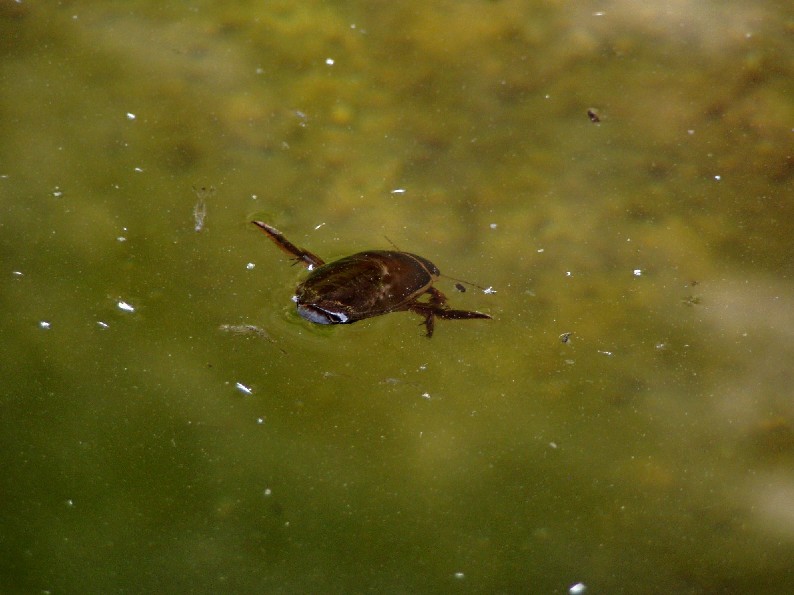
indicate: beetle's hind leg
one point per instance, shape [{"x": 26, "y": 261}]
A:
[
  {"x": 437, "y": 299},
  {"x": 437, "y": 306},
  {"x": 305, "y": 257},
  {"x": 429, "y": 313}
]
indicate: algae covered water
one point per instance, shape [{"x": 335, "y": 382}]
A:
[{"x": 617, "y": 180}]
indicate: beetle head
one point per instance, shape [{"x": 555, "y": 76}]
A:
[{"x": 325, "y": 312}]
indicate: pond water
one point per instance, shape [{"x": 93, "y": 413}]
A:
[{"x": 617, "y": 175}]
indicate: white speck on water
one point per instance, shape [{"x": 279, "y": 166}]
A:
[
  {"x": 260, "y": 420},
  {"x": 690, "y": 132},
  {"x": 577, "y": 589},
  {"x": 398, "y": 191},
  {"x": 70, "y": 503},
  {"x": 489, "y": 290},
  {"x": 130, "y": 116},
  {"x": 608, "y": 353},
  {"x": 541, "y": 250},
  {"x": 44, "y": 324},
  {"x": 568, "y": 274},
  {"x": 460, "y": 575},
  {"x": 101, "y": 324},
  {"x": 718, "y": 178},
  {"x": 329, "y": 61},
  {"x": 426, "y": 396},
  {"x": 138, "y": 170},
  {"x": 316, "y": 227},
  {"x": 268, "y": 492},
  {"x": 122, "y": 305},
  {"x": 17, "y": 273},
  {"x": 250, "y": 266},
  {"x": 638, "y": 272},
  {"x": 493, "y": 225},
  {"x": 57, "y": 193},
  {"x": 552, "y": 445},
  {"x": 243, "y": 388}
]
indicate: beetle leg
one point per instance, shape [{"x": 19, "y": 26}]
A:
[
  {"x": 460, "y": 314},
  {"x": 429, "y": 312},
  {"x": 437, "y": 299},
  {"x": 305, "y": 257}
]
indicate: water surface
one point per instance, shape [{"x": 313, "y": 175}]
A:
[{"x": 146, "y": 448}]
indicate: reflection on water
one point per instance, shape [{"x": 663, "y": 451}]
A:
[{"x": 617, "y": 176}]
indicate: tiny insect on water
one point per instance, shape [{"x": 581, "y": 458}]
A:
[{"x": 367, "y": 284}]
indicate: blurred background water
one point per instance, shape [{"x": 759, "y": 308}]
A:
[{"x": 147, "y": 448}]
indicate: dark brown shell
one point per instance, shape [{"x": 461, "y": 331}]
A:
[{"x": 363, "y": 285}]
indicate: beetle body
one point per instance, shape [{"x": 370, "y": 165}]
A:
[
  {"x": 363, "y": 285},
  {"x": 367, "y": 284}
]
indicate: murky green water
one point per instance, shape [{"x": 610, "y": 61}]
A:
[{"x": 652, "y": 452}]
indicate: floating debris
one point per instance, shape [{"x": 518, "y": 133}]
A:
[
  {"x": 245, "y": 329},
  {"x": 565, "y": 337},
  {"x": 243, "y": 388},
  {"x": 250, "y": 330},
  {"x": 592, "y": 113},
  {"x": 44, "y": 324},
  {"x": 200, "y": 208},
  {"x": 460, "y": 287},
  {"x": 691, "y": 300},
  {"x": 122, "y": 305}
]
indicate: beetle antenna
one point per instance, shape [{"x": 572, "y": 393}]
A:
[
  {"x": 469, "y": 283},
  {"x": 395, "y": 246}
]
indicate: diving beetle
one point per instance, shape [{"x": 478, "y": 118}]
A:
[{"x": 367, "y": 284}]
